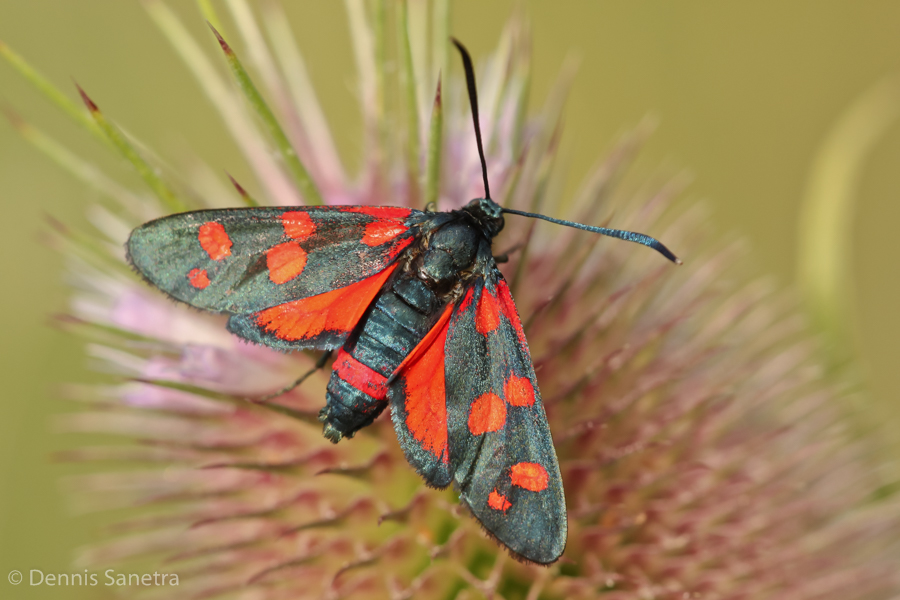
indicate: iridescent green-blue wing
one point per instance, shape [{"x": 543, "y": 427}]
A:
[
  {"x": 289, "y": 276},
  {"x": 501, "y": 451}
]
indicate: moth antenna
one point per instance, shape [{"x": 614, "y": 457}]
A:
[
  {"x": 473, "y": 100},
  {"x": 628, "y": 236}
]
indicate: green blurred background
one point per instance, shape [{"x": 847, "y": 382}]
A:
[{"x": 746, "y": 93}]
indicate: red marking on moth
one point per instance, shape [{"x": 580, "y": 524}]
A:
[
  {"x": 488, "y": 413},
  {"x": 379, "y": 232},
  {"x": 498, "y": 501},
  {"x": 530, "y": 476},
  {"x": 360, "y": 376},
  {"x": 427, "y": 342},
  {"x": 466, "y": 301},
  {"x": 198, "y": 278},
  {"x": 214, "y": 240},
  {"x": 298, "y": 225},
  {"x": 518, "y": 391},
  {"x": 426, "y": 400},
  {"x": 398, "y": 248},
  {"x": 337, "y": 310},
  {"x": 379, "y": 212},
  {"x": 487, "y": 315},
  {"x": 285, "y": 261},
  {"x": 508, "y": 307}
]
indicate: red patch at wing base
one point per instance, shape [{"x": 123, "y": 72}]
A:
[
  {"x": 508, "y": 307},
  {"x": 529, "y": 476},
  {"x": 488, "y": 413},
  {"x": 298, "y": 225},
  {"x": 398, "y": 248},
  {"x": 214, "y": 240},
  {"x": 379, "y": 232},
  {"x": 487, "y": 315},
  {"x": 380, "y": 212},
  {"x": 337, "y": 310},
  {"x": 426, "y": 401},
  {"x": 198, "y": 278},
  {"x": 360, "y": 376},
  {"x": 285, "y": 261}
]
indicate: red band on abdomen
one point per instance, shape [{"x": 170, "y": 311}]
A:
[{"x": 360, "y": 376}]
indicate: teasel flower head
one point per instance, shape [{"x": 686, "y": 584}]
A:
[{"x": 703, "y": 454}]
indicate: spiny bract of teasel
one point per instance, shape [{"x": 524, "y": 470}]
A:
[{"x": 701, "y": 454}]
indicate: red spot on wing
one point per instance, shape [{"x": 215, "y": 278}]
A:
[
  {"x": 360, "y": 376},
  {"x": 529, "y": 476},
  {"x": 488, "y": 413},
  {"x": 285, "y": 261},
  {"x": 379, "y": 232},
  {"x": 426, "y": 401},
  {"x": 214, "y": 240},
  {"x": 519, "y": 391},
  {"x": 487, "y": 315},
  {"x": 379, "y": 212},
  {"x": 337, "y": 310},
  {"x": 508, "y": 307},
  {"x": 298, "y": 225},
  {"x": 498, "y": 501},
  {"x": 198, "y": 278}
]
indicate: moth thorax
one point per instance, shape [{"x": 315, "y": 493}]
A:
[{"x": 452, "y": 249}]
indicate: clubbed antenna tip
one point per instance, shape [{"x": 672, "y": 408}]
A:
[{"x": 628, "y": 236}]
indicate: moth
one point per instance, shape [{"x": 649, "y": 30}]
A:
[{"x": 422, "y": 321}]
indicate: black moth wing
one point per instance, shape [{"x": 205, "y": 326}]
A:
[
  {"x": 242, "y": 261},
  {"x": 501, "y": 450},
  {"x": 166, "y": 250}
]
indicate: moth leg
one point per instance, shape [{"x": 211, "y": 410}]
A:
[
  {"x": 319, "y": 364},
  {"x": 504, "y": 257}
]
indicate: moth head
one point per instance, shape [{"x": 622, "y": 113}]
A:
[{"x": 488, "y": 214}]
